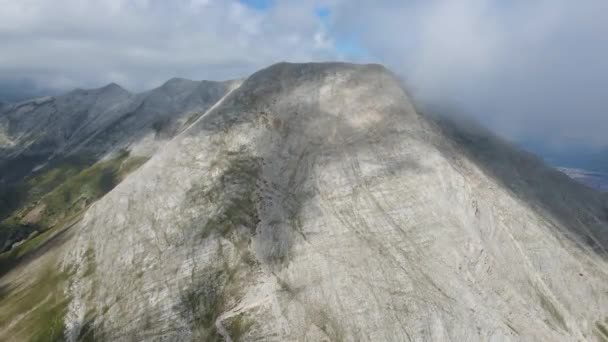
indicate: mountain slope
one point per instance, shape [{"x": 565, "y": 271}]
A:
[
  {"x": 313, "y": 202},
  {"x": 45, "y": 141},
  {"x": 158, "y": 115},
  {"x": 95, "y": 122},
  {"x": 316, "y": 203}
]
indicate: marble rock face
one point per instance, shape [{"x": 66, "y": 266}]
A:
[{"x": 313, "y": 202}]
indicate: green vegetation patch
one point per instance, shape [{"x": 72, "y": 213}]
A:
[
  {"x": 235, "y": 192},
  {"x": 31, "y": 189},
  {"x": 216, "y": 291},
  {"x": 192, "y": 119},
  {"x": 552, "y": 310},
  {"x": 602, "y": 330},
  {"x": 131, "y": 164},
  {"x": 36, "y": 311},
  {"x": 51, "y": 177},
  {"x": 235, "y": 198},
  {"x": 237, "y": 326},
  {"x": 63, "y": 186},
  {"x": 88, "y": 332},
  {"x": 9, "y": 259},
  {"x": 91, "y": 265},
  {"x": 76, "y": 193},
  {"x": 202, "y": 304},
  {"x": 63, "y": 204}
]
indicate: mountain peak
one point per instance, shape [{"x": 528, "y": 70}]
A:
[
  {"x": 112, "y": 90},
  {"x": 284, "y": 74},
  {"x": 112, "y": 86},
  {"x": 177, "y": 85},
  {"x": 317, "y": 67},
  {"x": 307, "y": 177},
  {"x": 312, "y": 176},
  {"x": 176, "y": 81}
]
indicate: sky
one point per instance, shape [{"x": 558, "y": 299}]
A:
[{"x": 534, "y": 71}]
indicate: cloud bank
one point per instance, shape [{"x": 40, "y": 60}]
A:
[
  {"x": 533, "y": 71},
  {"x": 62, "y": 44}
]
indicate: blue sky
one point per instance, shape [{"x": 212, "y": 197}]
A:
[
  {"x": 347, "y": 46},
  {"x": 258, "y": 4}
]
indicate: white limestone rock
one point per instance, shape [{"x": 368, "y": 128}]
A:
[{"x": 314, "y": 203}]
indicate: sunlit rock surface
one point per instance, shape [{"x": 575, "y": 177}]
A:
[{"x": 314, "y": 203}]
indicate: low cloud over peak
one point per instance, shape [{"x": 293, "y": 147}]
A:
[{"x": 532, "y": 71}]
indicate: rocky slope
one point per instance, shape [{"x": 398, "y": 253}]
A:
[
  {"x": 94, "y": 122},
  {"x": 43, "y": 141},
  {"x": 314, "y": 203}
]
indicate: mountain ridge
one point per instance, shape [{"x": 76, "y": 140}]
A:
[
  {"x": 30, "y": 123},
  {"x": 43, "y": 137},
  {"x": 314, "y": 202},
  {"x": 301, "y": 172}
]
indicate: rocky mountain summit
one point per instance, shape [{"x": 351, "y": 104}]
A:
[{"x": 312, "y": 202}]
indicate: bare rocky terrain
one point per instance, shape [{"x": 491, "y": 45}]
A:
[{"x": 313, "y": 202}]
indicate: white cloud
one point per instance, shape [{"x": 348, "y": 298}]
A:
[
  {"x": 531, "y": 70},
  {"x": 69, "y": 43},
  {"x": 528, "y": 69}
]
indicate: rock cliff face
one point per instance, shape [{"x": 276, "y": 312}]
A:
[{"x": 313, "y": 203}]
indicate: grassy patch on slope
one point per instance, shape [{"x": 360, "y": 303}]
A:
[
  {"x": 77, "y": 192},
  {"x": 17, "y": 195},
  {"x": 11, "y": 258},
  {"x": 35, "y": 311},
  {"x": 235, "y": 199},
  {"x": 235, "y": 191},
  {"x": 67, "y": 188},
  {"x": 63, "y": 203}
]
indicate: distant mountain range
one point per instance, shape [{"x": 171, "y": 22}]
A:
[
  {"x": 576, "y": 156},
  {"x": 585, "y": 164},
  {"x": 596, "y": 180},
  {"x": 45, "y": 139}
]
